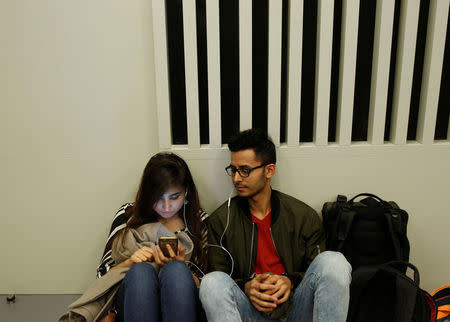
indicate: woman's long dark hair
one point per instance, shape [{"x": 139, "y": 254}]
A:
[{"x": 165, "y": 170}]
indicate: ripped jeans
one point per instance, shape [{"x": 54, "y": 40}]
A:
[{"x": 322, "y": 295}]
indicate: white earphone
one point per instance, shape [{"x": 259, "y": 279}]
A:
[
  {"x": 221, "y": 237},
  {"x": 223, "y": 234},
  {"x": 184, "y": 213}
]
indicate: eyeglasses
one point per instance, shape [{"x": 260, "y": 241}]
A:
[{"x": 244, "y": 172}]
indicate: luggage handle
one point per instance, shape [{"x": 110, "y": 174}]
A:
[
  {"x": 407, "y": 264},
  {"x": 366, "y": 194}
]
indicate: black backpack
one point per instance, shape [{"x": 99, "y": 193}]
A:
[
  {"x": 383, "y": 293},
  {"x": 368, "y": 232}
]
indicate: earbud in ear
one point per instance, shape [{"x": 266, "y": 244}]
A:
[{"x": 185, "y": 200}]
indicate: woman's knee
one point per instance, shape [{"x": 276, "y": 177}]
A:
[
  {"x": 175, "y": 267},
  {"x": 141, "y": 275},
  {"x": 176, "y": 274},
  {"x": 138, "y": 293},
  {"x": 175, "y": 270}
]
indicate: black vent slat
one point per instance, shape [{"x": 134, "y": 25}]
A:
[
  {"x": 418, "y": 69},
  {"x": 363, "y": 69},
  {"x": 202, "y": 66},
  {"x": 308, "y": 70},
  {"x": 229, "y": 67},
  {"x": 260, "y": 41},
  {"x": 177, "y": 82}
]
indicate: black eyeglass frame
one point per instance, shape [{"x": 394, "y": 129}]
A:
[{"x": 245, "y": 174}]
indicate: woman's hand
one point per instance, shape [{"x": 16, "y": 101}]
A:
[
  {"x": 144, "y": 254},
  {"x": 161, "y": 260}
]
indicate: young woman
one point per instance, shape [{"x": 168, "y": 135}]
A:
[{"x": 158, "y": 287}]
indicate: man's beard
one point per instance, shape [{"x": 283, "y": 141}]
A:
[{"x": 250, "y": 194}]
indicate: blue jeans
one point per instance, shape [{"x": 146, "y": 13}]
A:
[
  {"x": 322, "y": 295},
  {"x": 145, "y": 297}
]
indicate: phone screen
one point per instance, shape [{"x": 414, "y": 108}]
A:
[{"x": 172, "y": 241}]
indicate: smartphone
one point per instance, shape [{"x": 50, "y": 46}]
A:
[{"x": 172, "y": 241}]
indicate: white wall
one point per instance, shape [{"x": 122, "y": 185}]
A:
[{"x": 78, "y": 123}]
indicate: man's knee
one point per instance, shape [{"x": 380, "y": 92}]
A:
[
  {"x": 334, "y": 265},
  {"x": 213, "y": 284}
]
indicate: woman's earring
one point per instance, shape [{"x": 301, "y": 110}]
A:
[{"x": 185, "y": 201}]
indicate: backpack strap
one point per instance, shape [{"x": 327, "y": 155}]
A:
[
  {"x": 405, "y": 295},
  {"x": 341, "y": 199},
  {"x": 345, "y": 221},
  {"x": 405, "y": 300},
  {"x": 395, "y": 219},
  {"x": 405, "y": 265},
  {"x": 393, "y": 223},
  {"x": 406, "y": 292},
  {"x": 360, "y": 279}
]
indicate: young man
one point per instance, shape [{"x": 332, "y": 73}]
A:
[{"x": 267, "y": 262}]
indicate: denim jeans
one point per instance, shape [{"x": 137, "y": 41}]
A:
[
  {"x": 145, "y": 297},
  {"x": 322, "y": 295}
]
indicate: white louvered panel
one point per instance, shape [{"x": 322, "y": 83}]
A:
[
  {"x": 432, "y": 70},
  {"x": 347, "y": 70},
  {"x": 384, "y": 22},
  {"x": 162, "y": 83},
  {"x": 213, "y": 43},
  {"x": 383, "y": 33},
  {"x": 294, "y": 63},
  {"x": 323, "y": 70},
  {"x": 245, "y": 64},
  {"x": 191, "y": 74},
  {"x": 274, "y": 69},
  {"x": 409, "y": 14}
]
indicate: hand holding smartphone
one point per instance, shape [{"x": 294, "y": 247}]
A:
[{"x": 164, "y": 241}]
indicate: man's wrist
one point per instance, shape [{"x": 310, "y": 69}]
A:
[
  {"x": 290, "y": 280},
  {"x": 248, "y": 279}
]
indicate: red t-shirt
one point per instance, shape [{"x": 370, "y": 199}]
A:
[{"x": 267, "y": 259}]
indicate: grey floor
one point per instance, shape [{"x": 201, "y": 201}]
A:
[{"x": 37, "y": 308}]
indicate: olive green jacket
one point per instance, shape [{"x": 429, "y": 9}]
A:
[{"x": 296, "y": 231}]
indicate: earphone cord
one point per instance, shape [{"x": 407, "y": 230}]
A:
[
  {"x": 185, "y": 222},
  {"x": 221, "y": 237},
  {"x": 196, "y": 267},
  {"x": 223, "y": 234}
]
